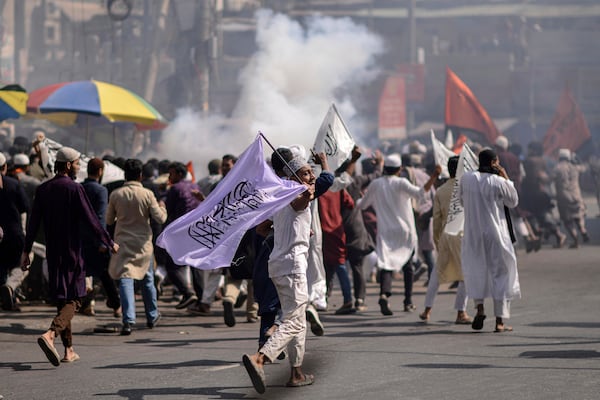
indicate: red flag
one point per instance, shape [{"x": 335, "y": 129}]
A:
[
  {"x": 463, "y": 110},
  {"x": 457, "y": 148},
  {"x": 568, "y": 128},
  {"x": 190, "y": 168}
]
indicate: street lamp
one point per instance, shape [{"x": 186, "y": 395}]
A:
[{"x": 119, "y": 10}]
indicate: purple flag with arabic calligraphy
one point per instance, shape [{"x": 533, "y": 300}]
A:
[{"x": 207, "y": 237}]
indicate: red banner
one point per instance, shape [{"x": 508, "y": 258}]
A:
[
  {"x": 568, "y": 128},
  {"x": 463, "y": 110},
  {"x": 414, "y": 78},
  {"x": 392, "y": 109}
]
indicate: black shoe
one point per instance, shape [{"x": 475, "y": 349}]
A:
[
  {"x": 419, "y": 272},
  {"x": 383, "y": 304},
  {"x": 152, "y": 324},
  {"x": 126, "y": 330},
  {"x": 228, "y": 313},
  {"x": 454, "y": 285},
  {"x": 6, "y": 295},
  {"x": 347, "y": 308},
  {"x": 187, "y": 300},
  {"x": 586, "y": 237},
  {"x": 239, "y": 302}
]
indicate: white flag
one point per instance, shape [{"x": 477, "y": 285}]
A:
[
  {"x": 207, "y": 237},
  {"x": 112, "y": 173},
  {"x": 441, "y": 154},
  {"x": 449, "y": 142},
  {"x": 456, "y": 213},
  {"x": 334, "y": 139}
]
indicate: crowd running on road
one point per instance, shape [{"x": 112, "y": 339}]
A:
[{"x": 374, "y": 219}]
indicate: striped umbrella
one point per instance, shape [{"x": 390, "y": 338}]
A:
[
  {"x": 63, "y": 103},
  {"x": 13, "y": 102}
]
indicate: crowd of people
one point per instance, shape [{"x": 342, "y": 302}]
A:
[{"x": 374, "y": 218}]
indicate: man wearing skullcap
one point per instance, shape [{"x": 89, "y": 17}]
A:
[
  {"x": 63, "y": 207},
  {"x": 287, "y": 266},
  {"x": 390, "y": 196},
  {"x": 30, "y": 184}
]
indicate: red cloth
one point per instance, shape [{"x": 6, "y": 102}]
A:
[
  {"x": 334, "y": 237},
  {"x": 568, "y": 129},
  {"x": 463, "y": 110}
]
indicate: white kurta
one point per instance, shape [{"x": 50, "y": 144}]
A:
[
  {"x": 488, "y": 258},
  {"x": 290, "y": 248},
  {"x": 315, "y": 273},
  {"x": 391, "y": 196}
]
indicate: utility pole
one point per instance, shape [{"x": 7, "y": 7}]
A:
[
  {"x": 19, "y": 37},
  {"x": 412, "y": 54},
  {"x": 203, "y": 56},
  {"x": 153, "y": 48}
]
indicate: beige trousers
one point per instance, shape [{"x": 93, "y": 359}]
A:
[{"x": 293, "y": 296}]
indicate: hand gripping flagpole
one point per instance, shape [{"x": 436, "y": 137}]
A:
[{"x": 279, "y": 155}]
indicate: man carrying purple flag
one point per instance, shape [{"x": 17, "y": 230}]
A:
[{"x": 207, "y": 237}]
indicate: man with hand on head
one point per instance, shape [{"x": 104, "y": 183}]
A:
[{"x": 488, "y": 257}]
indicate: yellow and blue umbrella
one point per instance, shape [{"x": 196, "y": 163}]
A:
[
  {"x": 13, "y": 102},
  {"x": 64, "y": 101}
]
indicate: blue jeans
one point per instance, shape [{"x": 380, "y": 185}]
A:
[
  {"x": 127, "y": 290},
  {"x": 342, "y": 273}
]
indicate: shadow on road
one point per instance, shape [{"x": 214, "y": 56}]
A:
[
  {"x": 213, "y": 392},
  {"x": 185, "y": 364}
]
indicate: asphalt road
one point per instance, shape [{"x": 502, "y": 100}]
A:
[{"x": 553, "y": 353}]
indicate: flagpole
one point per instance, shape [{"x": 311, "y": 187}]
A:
[{"x": 279, "y": 155}]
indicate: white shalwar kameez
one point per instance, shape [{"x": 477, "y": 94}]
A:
[
  {"x": 489, "y": 262},
  {"x": 287, "y": 269},
  {"x": 390, "y": 196}
]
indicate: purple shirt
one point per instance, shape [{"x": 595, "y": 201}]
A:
[
  {"x": 180, "y": 200},
  {"x": 64, "y": 209}
]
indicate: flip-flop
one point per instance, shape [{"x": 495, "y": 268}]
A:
[
  {"x": 505, "y": 328},
  {"x": 49, "y": 350},
  {"x": 308, "y": 380},
  {"x": 464, "y": 321},
  {"x": 478, "y": 322},
  {"x": 72, "y": 359},
  {"x": 257, "y": 374}
]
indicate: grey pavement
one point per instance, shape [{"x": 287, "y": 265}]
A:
[{"x": 553, "y": 353}]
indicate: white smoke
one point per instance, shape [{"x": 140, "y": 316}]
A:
[{"x": 287, "y": 88}]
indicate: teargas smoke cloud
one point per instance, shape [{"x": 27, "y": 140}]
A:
[{"x": 287, "y": 88}]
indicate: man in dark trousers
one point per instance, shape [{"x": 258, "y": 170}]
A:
[
  {"x": 62, "y": 206},
  {"x": 95, "y": 255},
  {"x": 13, "y": 202}
]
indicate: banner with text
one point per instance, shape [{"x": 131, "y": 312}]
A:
[
  {"x": 333, "y": 139},
  {"x": 207, "y": 237},
  {"x": 456, "y": 214}
]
